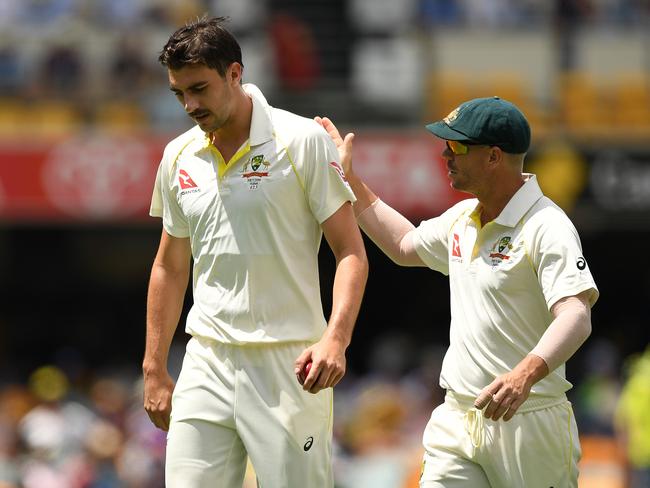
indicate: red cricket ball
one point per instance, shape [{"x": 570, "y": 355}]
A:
[{"x": 305, "y": 372}]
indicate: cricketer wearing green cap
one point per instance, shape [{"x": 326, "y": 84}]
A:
[{"x": 521, "y": 295}]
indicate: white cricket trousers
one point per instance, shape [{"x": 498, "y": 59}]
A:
[
  {"x": 231, "y": 402},
  {"x": 537, "y": 448}
]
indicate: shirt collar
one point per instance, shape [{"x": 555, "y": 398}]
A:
[
  {"x": 261, "y": 120},
  {"x": 261, "y": 126},
  {"x": 520, "y": 202}
]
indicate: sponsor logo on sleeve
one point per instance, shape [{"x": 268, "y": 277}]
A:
[
  {"x": 339, "y": 170},
  {"x": 455, "y": 247}
]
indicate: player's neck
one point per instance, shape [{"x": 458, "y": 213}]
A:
[
  {"x": 236, "y": 130},
  {"x": 497, "y": 196}
]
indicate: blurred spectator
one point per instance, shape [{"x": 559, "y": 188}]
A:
[
  {"x": 101, "y": 439},
  {"x": 296, "y": 54},
  {"x": 439, "y": 12},
  {"x": 632, "y": 419},
  {"x": 61, "y": 73},
  {"x": 596, "y": 395},
  {"x": 378, "y": 452},
  {"x": 11, "y": 70},
  {"x": 128, "y": 70},
  {"x": 51, "y": 432},
  {"x": 15, "y": 402},
  {"x": 569, "y": 16}
]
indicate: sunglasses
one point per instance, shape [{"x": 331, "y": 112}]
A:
[{"x": 457, "y": 147}]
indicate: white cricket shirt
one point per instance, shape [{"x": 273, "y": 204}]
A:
[
  {"x": 503, "y": 280},
  {"x": 254, "y": 225}
]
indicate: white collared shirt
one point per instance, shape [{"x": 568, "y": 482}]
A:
[
  {"x": 503, "y": 279},
  {"x": 254, "y": 225}
]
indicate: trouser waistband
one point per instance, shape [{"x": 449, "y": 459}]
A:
[{"x": 533, "y": 403}]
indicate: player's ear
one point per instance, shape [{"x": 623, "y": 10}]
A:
[
  {"x": 234, "y": 73},
  {"x": 496, "y": 155}
]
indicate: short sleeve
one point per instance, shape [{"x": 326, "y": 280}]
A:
[
  {"x": 325, "y": 183},
  {"x": 165, "y": 204},
  {"x": 561, "y": 267},
  {"x": 431, "y": 237}
]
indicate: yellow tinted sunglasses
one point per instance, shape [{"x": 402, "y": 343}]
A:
[{"x": 457, "y": 147}]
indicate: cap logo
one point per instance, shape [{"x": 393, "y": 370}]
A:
[{"x": 452, "y": 116}]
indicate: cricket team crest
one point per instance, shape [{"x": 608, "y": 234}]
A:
[
  {"x": 452, "y": 116},
  {"x": 500, "y": 249},
  {"x": 258, "y": 170}
]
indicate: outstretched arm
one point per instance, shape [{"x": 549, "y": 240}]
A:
[{"x": 389, "y": 230}]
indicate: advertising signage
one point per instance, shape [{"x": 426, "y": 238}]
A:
[{"x": 96, "y": 178}]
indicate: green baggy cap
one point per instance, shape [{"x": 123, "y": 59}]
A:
[{"x": 492, "y": 121}]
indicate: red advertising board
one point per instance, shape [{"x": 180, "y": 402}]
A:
[{"x": 91, "y": 177}]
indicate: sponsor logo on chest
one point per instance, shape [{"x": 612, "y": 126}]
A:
[{"x": 186, "y": 183}]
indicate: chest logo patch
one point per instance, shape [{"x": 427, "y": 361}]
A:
[
  {"x": 259, "y": 168},
  {"x": 500, "y": 250}
]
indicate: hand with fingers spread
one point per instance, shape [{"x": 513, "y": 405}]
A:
[
  {"x": 327, "y": 359},
  {"x": 504, "y": 396},
  {"x": 344, "y": 145},
  {"x": 365, "y": 196}
]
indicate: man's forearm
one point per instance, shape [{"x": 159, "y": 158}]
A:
[
  {"x": 568, "y": 331},
  {"x": 391, "y": 232},
  {"x": 347, "y": 294},
  {"x": 164, "y": 306}
]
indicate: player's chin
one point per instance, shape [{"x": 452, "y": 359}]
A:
[
  {"x": 454, "y": 182},
  {"x": 206, "y": 123}
]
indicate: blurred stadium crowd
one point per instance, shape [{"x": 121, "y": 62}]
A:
[
  {"x": 71, "y": 66},
  {"x": 68, "y": 428}
]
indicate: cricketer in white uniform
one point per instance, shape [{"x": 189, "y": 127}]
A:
[
  {"x": 253, "y": 223},
  {"x": 521, "y": 293}
]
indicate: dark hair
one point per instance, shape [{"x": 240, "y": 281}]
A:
[{"x": 202, "y": 41}]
